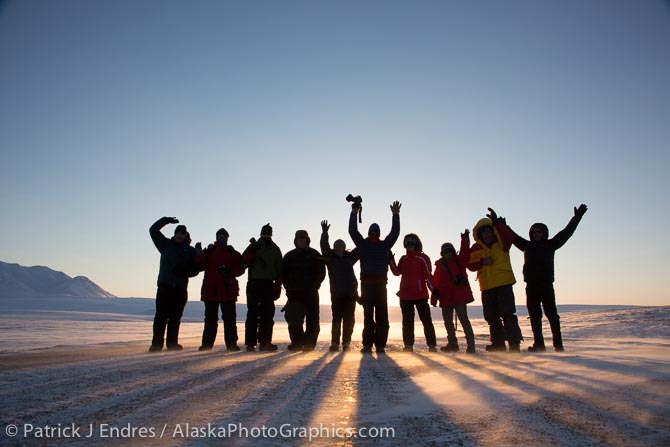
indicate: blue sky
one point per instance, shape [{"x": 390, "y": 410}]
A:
[{"x": 235, "y": 114}]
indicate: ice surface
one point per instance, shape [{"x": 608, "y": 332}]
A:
[{"x": 610, "y": 387}]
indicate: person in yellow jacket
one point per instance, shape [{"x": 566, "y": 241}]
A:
[{"x": 489, "y": 257}]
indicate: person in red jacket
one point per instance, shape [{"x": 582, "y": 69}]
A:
[
  {"x": 222, "y": 264},
  {"x": 415, "y": 269},
  {"x": 451, "y": 280}
]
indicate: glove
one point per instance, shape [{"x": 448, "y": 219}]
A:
[
  {"x": 198, "y": 248},
  {"x": 579, "y": 212},
  {"x": 493, "y": 216},
  {"x": 433, "y": 300},
  {"x": 171, "y": 220},
  {"x": 395, "y": 207},
  {"x": 436, "y": 293},
  {"x": 465, "y": 233},
  {"x": 355, "y": 207},
  {"x": 324, "y": 226},
  {"x": 276, "y": 290}
]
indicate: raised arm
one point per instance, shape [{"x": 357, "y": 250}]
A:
[
  {"x": 326, "y": 251},
  {"x": 392, "y": 237},
  {"x": 562, "y": 236},
  {"x": 519, "y": 242},
  {"x": 158, "y": 238},
  {"x": 353, "y": 228},
  {"x": 464, "y": 251}
]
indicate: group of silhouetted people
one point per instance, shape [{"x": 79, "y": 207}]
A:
[{"x": 302, "y": 270}]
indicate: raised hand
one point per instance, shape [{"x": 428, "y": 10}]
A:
[
  {"x": 579, "y": 212},
  {"x": 492, "y": 215},
  {"x": 395, "y": 207},
  {"x": 198, "y": 248},
  {"x": 324, "y": 226}
]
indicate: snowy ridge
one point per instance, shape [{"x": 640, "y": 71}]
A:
[{"x": 40, "y": 281}]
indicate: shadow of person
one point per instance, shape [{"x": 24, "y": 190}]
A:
[{"x": 389, "y": 398}]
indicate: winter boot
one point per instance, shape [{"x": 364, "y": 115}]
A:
[
  {"x": 451, "y": 347},
  {"x": 175, "y": 347},
  {"x": 470, "y": 349},
  {"x": 205, "y": 348},
  {"x": 268, "y": 347},
  {"x": 251, "y": 348},
  {"x": 294, "y": 348},
  {"x": 555, "y": 324},
  {"x": 432, "y": 349},
  {"x": 537, "y": 348},
  {"x": 496, "y": 347},
  {"x": 233, "y": 348},
  {"x": 408, "y": 349},
  {"x": 334, "y": 348},
  {"x": 346, "y": 347},
  {"x": 514, "y": 347},
  {"x": 155, "y": 348}
]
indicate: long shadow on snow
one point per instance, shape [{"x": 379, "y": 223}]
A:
[
  {"x": 609, "y": 425},
  {"x": 388, "y": 397}
]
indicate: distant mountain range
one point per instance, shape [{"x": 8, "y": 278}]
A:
[{"x": 18, "y": 281}]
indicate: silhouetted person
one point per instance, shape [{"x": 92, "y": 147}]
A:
[
  {"x": 343, "y": 288},
  {"x": 489, "y": 257},
  {"x": 222, "y": 264},
  {"x": 176, "y": 266},
  {"x": 538, "y": 273},
  {"x": 263, "y": 257},
  {"x": 303, "y": 271},
  {"x": 374, "y": 257},
  {"x": 451, "y": 280},
  {"x": 414, "y": 267}
]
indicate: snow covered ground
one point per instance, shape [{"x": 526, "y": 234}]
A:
[{"x": 87, "y": 374}]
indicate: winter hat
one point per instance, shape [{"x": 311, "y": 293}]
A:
[
  {"x": 180, "y": 229},
  {"x": 543, "y": 229},
  {"x": 222, "y": 231},
  {"x": 374, "y": 228},
  {"x": 340, "y": 243},
  {"x": 266, "y": 230},
  {"x": 301, "y": 234}
]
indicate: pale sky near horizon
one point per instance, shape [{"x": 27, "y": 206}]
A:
[{"x": 235, "y": 114}]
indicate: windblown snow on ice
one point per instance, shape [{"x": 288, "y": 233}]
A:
[{"x": 91, "y": 371}]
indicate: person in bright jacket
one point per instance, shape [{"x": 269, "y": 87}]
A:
[
  {"x": 303, "y": 271},
  {"x": 538, "y": 273},
  {"x": 415, "y": 270},
  {"x": 263, "y": 258},
  {"x": 489, "y": 257},
  {"x": 451, "y": 280},
  {"x": 343, "y": 288},
  {"x": 374, "y": 257},
  {"x": 176, "y": 266},
  {"x": 222, "y": 265}
]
